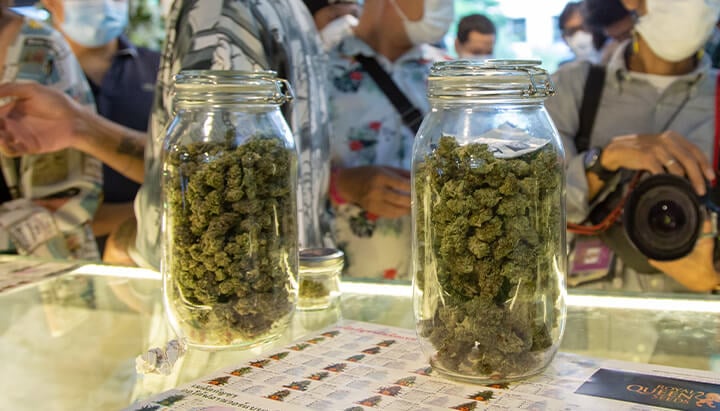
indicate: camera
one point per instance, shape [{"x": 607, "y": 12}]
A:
[{"x": 663, "y": 216}]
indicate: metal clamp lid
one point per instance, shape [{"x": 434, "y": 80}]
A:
[
  {"x": 321, "y": 257},
  {"x": 231, "y": 86},
  {"x": 490, "y": 79}
]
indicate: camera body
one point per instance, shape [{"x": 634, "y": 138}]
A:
[{"x": 663, "y": 217}]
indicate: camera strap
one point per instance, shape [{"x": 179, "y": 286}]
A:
[{"x": 411, "y": 115}]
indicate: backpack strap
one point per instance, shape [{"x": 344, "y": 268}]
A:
[
  {"x": 589, "y": 106},
  {"x": 411, "y": 116}
]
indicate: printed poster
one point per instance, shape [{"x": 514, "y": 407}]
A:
[{"x": 356, "y": 366}]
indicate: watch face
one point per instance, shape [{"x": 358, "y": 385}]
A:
[{"x": 591, "y": 157}]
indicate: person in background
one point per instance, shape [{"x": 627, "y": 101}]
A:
[
  {"x": 335, "y": 19},
  {"x": 201, "y": 35},
  {"x": 584, "y": 44},
  {"x": 66, "y": 184},
  {"x": 712, "y": 47},
  {"x": 476, "y": 36},
  {"x": 656, "y": 113},
  {"x": 612, "y": 19},
  {"x": 372, "y": 143},
  {"x": 122, "y": 78}
]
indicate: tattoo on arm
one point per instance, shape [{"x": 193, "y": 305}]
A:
[{"x": 131, "y": 147}]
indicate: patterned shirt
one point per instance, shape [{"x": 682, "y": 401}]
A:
[
  {"x": 367, "y": 130},
  {"x": 40, "y": 54},
  {"x": 244, "y": 35}
]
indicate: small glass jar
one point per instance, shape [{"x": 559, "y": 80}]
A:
[
  {"x": 230, "y": 232},
  {"x": 320, "y": 270},
  {"x": 488, "y": 203}
]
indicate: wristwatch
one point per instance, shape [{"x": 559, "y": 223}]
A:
[{"x": 593, "y": 164}]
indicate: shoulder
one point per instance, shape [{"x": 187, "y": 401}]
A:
[{"x": 433, "y": 54}]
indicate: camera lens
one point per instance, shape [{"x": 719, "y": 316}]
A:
[{"x": 663, "y": 218}]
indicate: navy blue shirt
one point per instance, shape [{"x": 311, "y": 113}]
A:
[{"x": 125, "y": 97}]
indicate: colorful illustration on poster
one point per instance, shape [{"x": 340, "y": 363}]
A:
[
  {"x": 372, "y": 350},
  {"x": 319, "y": 376},
  {"x": 168, "y": 401},
  {"x": 338, "y": 367},
  {"x": 279, "y": 395},
  {"x": 386, "y": 343},
  {"x": 355, "y": 358},
  {"x": 392, "y": 390},
  {"x": 331, "y": 334},
  {"x": 423, "y": 371},
  {"x": 218, "y": 381},
  {"x": 316, "y": 340},
  {"x": 241, "y": 371},
  {"x": 259, "y": 363},
  {"x": 371, "y": 402},
  {"x": 299, "y": 347},
  {"x": 481, "y": 395},
  {"x": 468, "y": 406},
  {"x": 406, "y": 382},
  {"x": 298, "y": 385},
  {"x": 279, "y": 356}
]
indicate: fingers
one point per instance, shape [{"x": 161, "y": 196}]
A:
[
  {"x": 16, "y": 90},
  {"x": 388, "y": 178},
  {"x": 683, "y": 152}
]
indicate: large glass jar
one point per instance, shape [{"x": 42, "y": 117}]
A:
[
  {"x": 489, "y": 254},
  {"x": 230, "y": 234}
]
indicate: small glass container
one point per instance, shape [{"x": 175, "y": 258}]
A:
[
  {"x": 319, "y": 286},
  {"x": 488, "y": 202}
]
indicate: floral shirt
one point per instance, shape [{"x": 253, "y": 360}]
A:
[
  {"x": 367, "y": 130},
  {"x": 40, "y": 54}
]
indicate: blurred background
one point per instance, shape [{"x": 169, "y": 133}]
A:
[{"x": 526, "y": 28}]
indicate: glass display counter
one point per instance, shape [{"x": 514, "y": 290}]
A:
[{"x": 70, "y": 342}]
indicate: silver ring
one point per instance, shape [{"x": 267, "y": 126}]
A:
[{"x": 669, "y": 162}]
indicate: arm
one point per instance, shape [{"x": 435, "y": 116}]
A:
[{"x": 36, "y": 111}]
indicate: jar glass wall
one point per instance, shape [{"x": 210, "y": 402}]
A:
[
  {"x": 489, "y": 251},
  {"x": 230, "y": 257}
]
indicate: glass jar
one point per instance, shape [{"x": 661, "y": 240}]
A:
[
  {"x": 488, "y": 204},
  {"x": 230, "y": 232},
  {"x": 319, "y": 275}
]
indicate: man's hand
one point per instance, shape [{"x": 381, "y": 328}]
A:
[
  {"x": 696, "y": 271},
  {"x": 658, "y": 153},
  {"x": 380, "y": 190},
  {"x": 37, "y": 119}
]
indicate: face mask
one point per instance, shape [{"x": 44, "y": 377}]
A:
[
  {"x": 676, "y": 29},
  {"x": 581, "y": 44},
  {"x": 434, "y": 24},
  {"x": 337, "y": 30},
  {"x": 93, "y": 23}
]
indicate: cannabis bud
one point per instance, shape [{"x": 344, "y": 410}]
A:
[
  {"x": 488, "y": 233},
  {"x": 233, "y": 233}
]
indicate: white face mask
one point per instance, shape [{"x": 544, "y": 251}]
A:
[
  {"x": 434, "y": 24},
  {"x": 676, "y": 29},
  {"x": 336, "y": 30},
  {"x": 581, "y": 44}
]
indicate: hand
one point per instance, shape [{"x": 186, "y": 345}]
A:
[
  {"x": 657, "y": 153},
  {"x": 38, "y": 119},
  {"x": 696, "y": 271},
  {"x": 380, "y": 190}
]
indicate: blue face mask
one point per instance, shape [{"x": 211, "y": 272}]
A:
[{"x": 93, "y": 23}]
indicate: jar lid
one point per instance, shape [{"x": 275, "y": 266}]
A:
[
  {"x": 321, "y": 257},
  {"x": 489, "y": 79},
  {"x": 231, "y": 86}
]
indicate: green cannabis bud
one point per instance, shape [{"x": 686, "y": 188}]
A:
[
  {"x": 489, "y": 235},
  {"x": 232, "y": 216},
  {"x": 312, "y": 289}
]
